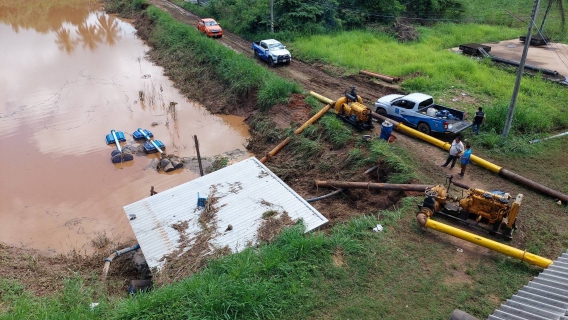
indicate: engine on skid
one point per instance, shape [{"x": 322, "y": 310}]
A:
[
  {"x": 492, "y": 211},
  {"x": 351, "y": 109}
]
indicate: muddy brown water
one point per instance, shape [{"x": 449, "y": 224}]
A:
[{"x": 70, "y": 74}]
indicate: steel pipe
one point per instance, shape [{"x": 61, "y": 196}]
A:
[
  {"x": 522, "y": 255},
  {"x": 388, "y": 79},
  {"x": 479, "y": 161},
  {"x": 370, "y": 185},
  {"x": 300, "y": 129}
]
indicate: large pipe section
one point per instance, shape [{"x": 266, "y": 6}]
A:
[
  {"x": 522, "y": 255},
  {"x": 116, "y": 254},
  {"x": 388, "y": 79},
  {"x": 370, "y": 185},
  {"x": 481, "y": 162},
  {"x": 527, "y": 66},
  {"x": 300, "y": 129}
]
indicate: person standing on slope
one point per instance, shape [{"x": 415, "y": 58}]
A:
[
  {"x": 464, "y": 160},
  {"x": 455, "y": 151},
  {"x": 478, "y": 121}
]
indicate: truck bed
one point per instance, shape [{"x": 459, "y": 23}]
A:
[
  {"x": 456, "y": 115},
  {"x": 456, "y": 120}
]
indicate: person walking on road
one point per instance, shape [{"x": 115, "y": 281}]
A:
[
  {"x": 455, "y": 151},
  {"x": 478, "y": 121},
  {"x": 464, "y": 160}
]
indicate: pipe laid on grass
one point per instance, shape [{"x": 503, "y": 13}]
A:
[
  {"x": 116, "y": 254},
  {"x": 481, "y": 162},
  {"x": 388, "y": 79},
  {"x": 551, "y": 137},
  {"x": 370, "y": 185},
  {"x": 522, "y": 255},
  {"x": 300, "y": 129}
]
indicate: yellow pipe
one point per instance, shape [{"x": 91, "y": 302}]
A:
[
  {"x": 481, "y": 162},
  {"x": 522, "y": 255},
  {"x": 299, "y": 130},
  {"x": 437, "y": 142},
  {"x": 425, "y": 137},
  {"x": 320, "y": 97}
]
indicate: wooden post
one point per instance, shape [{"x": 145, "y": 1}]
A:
[{"x": 198, "y": 155}]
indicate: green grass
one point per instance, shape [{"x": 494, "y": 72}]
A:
[
  {"x": 348, "y": 272},
  {"x": 335, "y": 131},
  {"x": 437, "y": 71},
  {"x": 399, "y": 166}
]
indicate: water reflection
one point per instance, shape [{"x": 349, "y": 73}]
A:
[
  {"x": 75, "y": 22},
  {"x": 65, "y": 41}
]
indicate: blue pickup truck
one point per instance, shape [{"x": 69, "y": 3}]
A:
[
  {"x": 271, "y": 51},
  {"x": 420, "y": 111}
]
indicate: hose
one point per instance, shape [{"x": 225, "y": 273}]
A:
[
  {"x": 325, "y": 196},
  {"x": 116, "y": 254}
]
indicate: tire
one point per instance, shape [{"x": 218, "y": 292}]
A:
[
  {"x": 381, "y": 112},
  {"x": 424, "y": 128},
  {"x": 270, "y": 62},
  {"x": 256, "y": 55}
]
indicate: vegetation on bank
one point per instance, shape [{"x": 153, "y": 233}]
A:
[{"x": 334, "y": 275}]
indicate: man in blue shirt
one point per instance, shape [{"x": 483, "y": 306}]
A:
[{"x": 465, "y": 158}]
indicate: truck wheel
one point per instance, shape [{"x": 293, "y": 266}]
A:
[
  {"x": 256, "y": 54},
  {"x": 424, "y": 128},
  {"x": 381, "y": 112},
  {"x": 270, "y": 62}
]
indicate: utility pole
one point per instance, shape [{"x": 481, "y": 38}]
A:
[
  {"x": 272, "y": 16},
  {"x": 520, "y": 72}
]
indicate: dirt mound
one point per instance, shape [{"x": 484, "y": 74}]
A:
[{"x": 296, "y": 111}]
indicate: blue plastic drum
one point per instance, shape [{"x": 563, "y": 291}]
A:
[{"x": 386, "y": 129}]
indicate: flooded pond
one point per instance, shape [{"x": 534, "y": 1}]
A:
[{"x": 70, "y": 74}]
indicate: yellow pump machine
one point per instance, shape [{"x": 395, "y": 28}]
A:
[
  {"x": 351, "y": 109},
  {"x": 492, "y": 211}
]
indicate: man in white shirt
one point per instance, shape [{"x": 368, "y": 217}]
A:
[{"x": 455, "y": 151}]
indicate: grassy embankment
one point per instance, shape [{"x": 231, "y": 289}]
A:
[{"x": 400, "y": 273}]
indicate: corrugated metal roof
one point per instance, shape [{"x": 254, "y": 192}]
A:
[
  {"x": 242, "y": 191},
  {"x": 544, "y": 298}
]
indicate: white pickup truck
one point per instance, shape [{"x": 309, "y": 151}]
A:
[
  {"x": 271, "y": 51},
  {"x": 420, "y": 111}
]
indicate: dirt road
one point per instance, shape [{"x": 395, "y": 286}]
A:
[{"x": 309, "y": 76}]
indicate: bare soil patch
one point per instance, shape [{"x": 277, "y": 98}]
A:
[{"x": 45, "y": 275}]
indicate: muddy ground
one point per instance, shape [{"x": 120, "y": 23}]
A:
[{"x": 328, "y": 81}]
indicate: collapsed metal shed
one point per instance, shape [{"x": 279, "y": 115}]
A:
[{"x": 240, "y": 197}]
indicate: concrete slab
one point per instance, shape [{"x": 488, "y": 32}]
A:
[{"x": 553, "y": 56}]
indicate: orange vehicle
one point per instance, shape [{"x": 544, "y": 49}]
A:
[{"x": 210, "y": 27}]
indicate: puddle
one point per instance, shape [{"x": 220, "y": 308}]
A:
[{"x": 70, "y": 74}]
